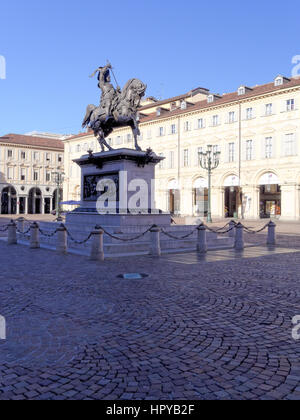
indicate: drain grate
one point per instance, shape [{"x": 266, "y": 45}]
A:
[{"x": 132, "y": 276}]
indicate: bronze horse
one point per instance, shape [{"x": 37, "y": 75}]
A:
[{"x": 124, "y": 109}]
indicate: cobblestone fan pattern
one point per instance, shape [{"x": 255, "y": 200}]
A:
[{"x": 216, "y": 330}]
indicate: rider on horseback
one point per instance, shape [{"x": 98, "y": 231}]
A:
[
  {"x": 117, "y": 108},
  {"x": 109, "y": 93}
]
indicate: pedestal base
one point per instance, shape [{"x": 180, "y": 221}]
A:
[{"x": 144, "y": 221}]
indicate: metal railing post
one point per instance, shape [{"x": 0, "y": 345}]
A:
[
  {"x": 21, "y": 224},
  {"x": 239, "y": 237},
  {"x": 201, "y": 240},
  {"x": 97, "y": 247},
  {"x": 271, "y": 240},
  {"x": 34, "y": 236},
  {"x": 61, "y": 240},
  {"x": 155, "y": 249},
  {"x": 12, "y": 233}
]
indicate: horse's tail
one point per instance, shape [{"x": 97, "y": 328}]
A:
[{"x": 90, "y": 109}]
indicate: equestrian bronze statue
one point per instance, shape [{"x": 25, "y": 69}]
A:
[{"x": 118, "y": 108}]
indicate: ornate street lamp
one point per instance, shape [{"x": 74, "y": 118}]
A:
[
  {"x": 209, "y": 161},
  {"x": 59, "y": 179}
]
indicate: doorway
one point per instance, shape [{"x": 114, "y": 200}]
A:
[
  {"x": 232, "y": 201},
  {"x": 270, "y": 201},
  {"x": 174, "y": 201}
]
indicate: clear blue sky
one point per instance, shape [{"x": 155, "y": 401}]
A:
[{"x": 52, "y": 46}]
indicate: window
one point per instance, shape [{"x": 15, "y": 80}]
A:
[
  {"x": 249, "y": 113},
  {"x": 278, "y": 81},
  {"x": 78, "y": 148},
  {"x": 48, "y": 157},
  {"x": 269, "y": 109},
  {"x": 110, "y": 141},
  {"x": 173, "y": 129},
  {"x": 231, "y": 152},
  {"x": 35, "y": 175},
  {"x": 119, "y": 140},
  {"x": 10, "y": 173},
  {"x": 215, "y": 149},
  {"x": 186, "y": 157},
  {"x": 215, "y": 120},
  {"x": 161, "y": 131},
  {"x": 210, "y": 99},
  {"x": 23, "y": 174},
  {"x": 290, "y": 105},
  {"x": 289, "y": 145},
  {"x": 60, "y": 159},
  {"x": 48, "y": 176},
  {"x": 171, "y": 160},
  {"x": 10, "y": 153},
  {"x": 23, "y": 155},
  {"x": 128, "y": 138},
  {"x": 149, "y": 134},
  {"x": 249, "y": 150},
  {"x": 187, "y": 126},
  {"x": 183, "y": 105},
  {"x": 173, "y": 106},
  {"x": 231, "y": 117},
  {"x": 241, "y": 90},
  {"x": 199, "y": 151},
  {"x": 268, "y": 147},
  {"x": 161, "y": 163},
  {"x": 36, "y": 156},
  {"x": 200, "y": 123}
]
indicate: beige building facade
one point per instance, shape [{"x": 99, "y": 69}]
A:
[
  {"x": 256, "y": 129},
  {"x": 28, "y": 169}
]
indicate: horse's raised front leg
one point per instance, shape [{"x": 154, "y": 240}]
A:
[{"x": 136, "y": 132}]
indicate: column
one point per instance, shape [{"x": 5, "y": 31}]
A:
[
  {"x": 297, "y": 202},
  {"x": 33, "y": 202},
  {"x": 217, "y": 199},
  {"x": 18, "y": 204},
  {"x": 9, "y": 201},
  {"x": 255, "y": 203},
  {"x": 26, "y": 204},
  {"x": 288, "y": 202}
]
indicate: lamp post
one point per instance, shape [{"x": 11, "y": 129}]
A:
[
  {"x": 59, "y": 179},
  {"x": 209, "y": 161}
]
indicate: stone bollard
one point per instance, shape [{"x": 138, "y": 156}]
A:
[
  {"x": 239, "y": 237},
  {"x": 97, "y": 249},
  {"x": 155, "y": 249},
  {"x": 232, "y": 227},
  {"x": 34, "y": 236},
  {"x": 12, "y": 233},
  {"x": 62, "y": 241},
  {"x": 271, "y": 240},
  {"x": 201, "y": 241},
  {"x": 21, "y": 224}
]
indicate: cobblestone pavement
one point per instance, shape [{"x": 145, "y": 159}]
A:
[{"x": 196, "y": 330}]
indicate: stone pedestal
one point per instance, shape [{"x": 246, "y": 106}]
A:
[{"x": 118, "y": 190}]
